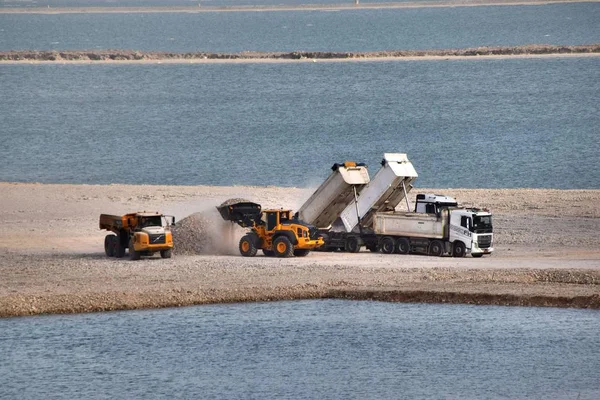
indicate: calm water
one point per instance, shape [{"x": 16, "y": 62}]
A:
[
  {"x": 464, "y": 123},
  {"x": 357, "y": 30},
  {"x": 309, "y": 349}
]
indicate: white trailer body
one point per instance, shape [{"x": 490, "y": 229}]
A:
[
  {"x": 338, "y": 190},
  {"x": 457, "y": 231},
  {"x": 384, "y": 192},
  {"x": 409, "y": 225}
]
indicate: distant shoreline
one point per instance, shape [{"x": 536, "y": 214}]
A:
[
  {"x": 199, "y": 8},
  {"x": 131, "y": 56}
]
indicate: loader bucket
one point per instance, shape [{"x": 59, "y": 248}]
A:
[{"x": 243, "y": 213}]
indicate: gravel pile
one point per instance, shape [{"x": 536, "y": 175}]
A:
[{"x": 207, "y": 233}]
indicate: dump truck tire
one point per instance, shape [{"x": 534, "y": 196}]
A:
[
  {"x": 166, "y": 253},
  {"x": 477, "y": 255},
  {"x": 119, "y": 248},
  {"x": 283, "y": 247},
  {"x": 436, "y": 248},
  {"x": 352, "y": 244},
  {"x": 387, "y": 245},
  {"x": 109, "y": 246},
  {"x": 301, "y": 252},
  {"x": 402, "y": 246},
  {"x": 458, "y": 249},
  {"x": 133, "y": 255},
  {"x": 248, "y": 245}
]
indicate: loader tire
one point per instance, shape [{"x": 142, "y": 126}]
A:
[
  {"x": 387, "y": 245},
  {"x": 268, "y": 253},
  {"x": 283, "y": 247},
  {"x": 352, "y": 244},
  {"x": 436, "y": 248},
  {"x": 166, "y": 253},
  {"x": 248, "y": 245},
  {"x": 109, "y": 246},
  {"x": 402, "y": 246},
  {"x": 119, "y": 247},
  {"x": 133, "y": 255},
  {"x": 301, "y": 252}
]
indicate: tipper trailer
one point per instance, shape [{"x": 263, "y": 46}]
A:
[
  {"x": 143, "y": 233},
  {"x": 339, "y": 189}
]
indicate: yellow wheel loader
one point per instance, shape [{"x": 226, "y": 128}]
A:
[{"x": 275, "y": 232}]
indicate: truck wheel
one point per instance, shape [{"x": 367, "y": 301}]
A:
[
  {"x": 166, "y": 253},
  {"x": 301, "y": 252},
  {"x": 109, "y": 246},
  {"x": 436, "y": 248},
  {"x": 402, "y": 246},
  {"x": 387, "y": 245},
  {"x": 458, "y": 249},
  {"x": 283, "y": 247},
  {"x": 268, "y": 253},
  {"x": 119, "y": 247},
  {"x": 133, "y": 255},
  {"x": 248, "y": 245},
  {"x": 477, "y": 255},
  {"x": 352, "y": 244}
]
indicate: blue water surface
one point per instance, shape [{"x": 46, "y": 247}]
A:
[
  {"x": 350, "y": 30},
  {"x": 494, "y": 123},
  {"x": 304, "y": 350}
]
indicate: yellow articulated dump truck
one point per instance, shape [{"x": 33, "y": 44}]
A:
[{"x": 143, "y": 233}]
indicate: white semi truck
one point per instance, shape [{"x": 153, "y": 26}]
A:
[
  {"x": 369, "y": 218},
  {"x": 436, "y": 227}
]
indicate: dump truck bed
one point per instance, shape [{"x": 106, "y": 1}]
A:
[
  {"x": 334, "y": 195},
  {"x": 410, "y": 224},
  {"x": 113, "y": 222},
  {"x": 384, "y": 192}
]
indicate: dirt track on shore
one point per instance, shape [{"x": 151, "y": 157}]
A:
[{"x": 547, "y": 254}]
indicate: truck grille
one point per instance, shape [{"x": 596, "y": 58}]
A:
[
  {"x": 484, "y": 241},
  {"x": 158, "y": 238}
]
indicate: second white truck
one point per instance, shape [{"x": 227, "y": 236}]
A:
[{"x": 437, "y": 227}]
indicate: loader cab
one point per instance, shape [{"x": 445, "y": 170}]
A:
[{"x": 433, "y": 203}]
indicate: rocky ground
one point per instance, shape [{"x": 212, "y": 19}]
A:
[{"x": 546, "y": 241}]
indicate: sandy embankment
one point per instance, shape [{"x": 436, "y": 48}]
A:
[
  {"x": 136, "y": 57},
  {"x": 547, "y": 253}
]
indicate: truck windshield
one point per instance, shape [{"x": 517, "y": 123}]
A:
[
  {"x": 482, "y": 224},
  {"x": 151, "y": 221}
]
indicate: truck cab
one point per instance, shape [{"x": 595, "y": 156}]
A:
[
  {"x": 470, "y": 226},
  {"x": 473, "y": 227},
  {"x": 433, "y": 203}
]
